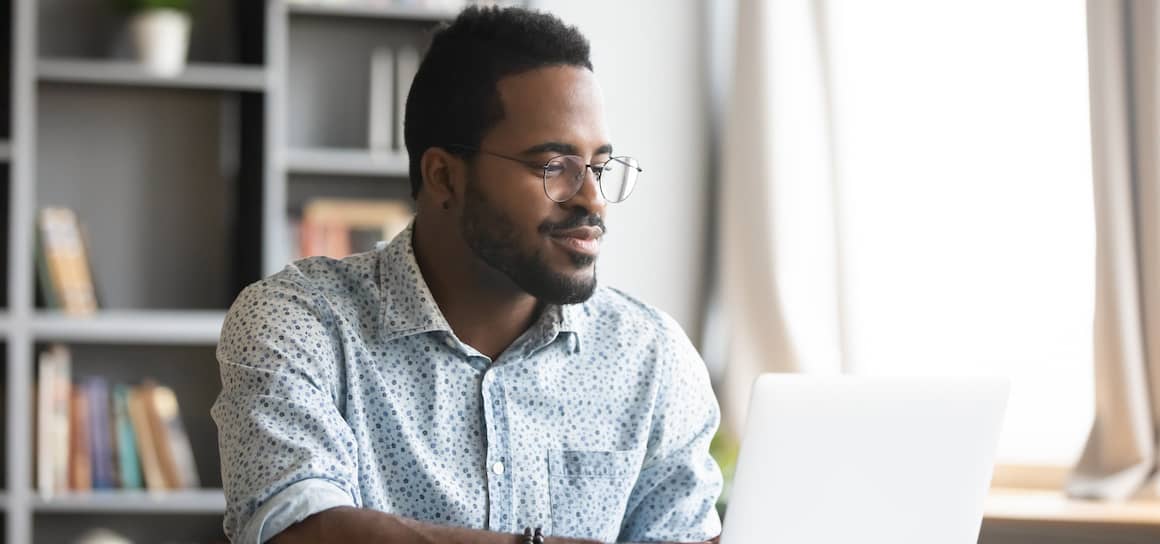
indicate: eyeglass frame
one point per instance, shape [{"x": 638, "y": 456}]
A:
[{"x": 597, "y": 169}]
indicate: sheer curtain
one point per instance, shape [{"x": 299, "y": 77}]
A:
[
  {"x": 776, "y": 235},
  {"x": 1120, "y": 459}
]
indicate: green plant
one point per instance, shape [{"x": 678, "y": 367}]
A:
[
  {"x": 142, "y": 5},
  {"x": 724, "y": 450}
]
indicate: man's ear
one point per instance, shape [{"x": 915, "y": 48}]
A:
[{"x": 442, "y": 176}]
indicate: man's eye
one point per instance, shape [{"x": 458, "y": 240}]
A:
[{"x": 554, "y": 168}]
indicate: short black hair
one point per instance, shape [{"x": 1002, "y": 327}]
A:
[{"x": 454, "y": 100}]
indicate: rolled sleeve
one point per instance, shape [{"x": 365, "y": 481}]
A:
[
  {"x": 292, "y": 505},
  {"x": 286, "y": 450},
  {"x": 675, "y": 496}
]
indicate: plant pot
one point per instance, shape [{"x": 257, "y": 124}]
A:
[{"x": 161, "y": 37}]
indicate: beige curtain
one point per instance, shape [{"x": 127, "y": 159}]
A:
[
  {"x": 1120, "y": 459},
  {"x": 776, "y": 236}
]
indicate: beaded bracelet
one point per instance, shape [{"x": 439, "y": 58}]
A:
[{"x": 533, "y": 538}]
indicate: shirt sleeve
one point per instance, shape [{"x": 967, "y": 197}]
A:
[
  {"x": 286, "y": 450},
  {"x": 675, "y": 496}
]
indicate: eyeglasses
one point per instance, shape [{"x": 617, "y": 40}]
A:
[{"x": 564, "y": 175}]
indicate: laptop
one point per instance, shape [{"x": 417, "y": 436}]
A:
[{"x": 866, "y": 460}]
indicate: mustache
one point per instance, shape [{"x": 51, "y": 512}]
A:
[{"x": 579, "y": 220}]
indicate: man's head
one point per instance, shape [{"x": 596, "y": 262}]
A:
[{"x": 500, "y": 93}]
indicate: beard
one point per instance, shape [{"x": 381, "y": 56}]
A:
[{"x": 494, "y": 238}]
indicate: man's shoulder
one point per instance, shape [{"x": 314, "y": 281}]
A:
[
  {"x": 629, "y": 315},
  {"x": 356, "y": 273}
]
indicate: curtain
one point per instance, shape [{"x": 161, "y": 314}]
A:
[
  {"x": 1120, "y": 458},
  {"x": 776, "y": 240}
]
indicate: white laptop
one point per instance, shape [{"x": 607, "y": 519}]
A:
[{"x": 865, "y": 460}]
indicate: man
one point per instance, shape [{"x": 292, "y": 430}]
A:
[{"x": 469, "y": 380}]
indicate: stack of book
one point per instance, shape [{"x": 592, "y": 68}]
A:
[{"x": 93, "y": 436}]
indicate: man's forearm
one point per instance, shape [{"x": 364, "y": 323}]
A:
[{"x": 347, "y": 524}]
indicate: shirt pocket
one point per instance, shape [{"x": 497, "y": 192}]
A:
[{"x": 589, "y": 491}]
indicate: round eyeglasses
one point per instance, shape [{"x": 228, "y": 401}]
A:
[{"x": 564, "y": 175}]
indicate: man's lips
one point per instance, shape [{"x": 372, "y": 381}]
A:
[{"x": 584, "y": 240}]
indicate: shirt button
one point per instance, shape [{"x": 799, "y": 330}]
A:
[{"x": 497, "y": 468}]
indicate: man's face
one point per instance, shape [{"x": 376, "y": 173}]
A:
[{"x": 547, "y": 249}]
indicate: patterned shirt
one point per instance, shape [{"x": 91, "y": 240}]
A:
[{"x": 343, "y": 385}]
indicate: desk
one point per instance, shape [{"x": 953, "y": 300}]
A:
[{"x": 1028, "y": 516}]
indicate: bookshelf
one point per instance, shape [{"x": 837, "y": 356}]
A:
[{"x": 186, "y": 187}]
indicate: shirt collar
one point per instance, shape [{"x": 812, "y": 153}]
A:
[{"x": 409, "y": 308}]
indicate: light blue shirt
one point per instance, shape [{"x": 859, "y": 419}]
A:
[{"x": 343, "y": 385}]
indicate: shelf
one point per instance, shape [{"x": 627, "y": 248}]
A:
[
  {"x": 220, "y": 77},
  {"x": 194, "y": 501},
  {"x": 371, "y": 11},
  {"x": 347, "y": 162},
  {"x": 5, "y": 151},
  {"x": 131, "y": 326}
]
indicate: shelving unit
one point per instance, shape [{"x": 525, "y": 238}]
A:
[{"x": 186, "y": 186}]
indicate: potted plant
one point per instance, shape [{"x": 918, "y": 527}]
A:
[{"x": 160, "y": 32}]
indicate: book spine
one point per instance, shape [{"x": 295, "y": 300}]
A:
[
  {"x": 146, "y": 448},
  {"x": 406, "y": 66},
  {"x": 155, "y": 411},
  {"x": 381, "y": 123},
  {"x": 45, "y": 397},
  {"x": 80, "y": 467},
  {"x": 177, "y": 439},
  {"x": 130, "y": 468},
  {"x": 100, "y": 433},
  {"x": 62, "y": 415}
]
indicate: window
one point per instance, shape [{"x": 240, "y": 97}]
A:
[{"x": 965, "y": 202}]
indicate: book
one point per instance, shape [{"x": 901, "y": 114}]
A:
[
  {"x": 406, "y": 66},
  {"x": 173, "y": 448},
  {"x": 337, "y": 227},
  {"x": 80, "y": 475},
  {"x": 146, "y": 448},
  {"x": 45, "y": 397},
  {"x": 100, "y": 433},
  {"x": 126, "y": 440},
  {"x": 61, "y": 433},
  {"x": 380, "y": 123},
  {"x": 66, "y": 267}
]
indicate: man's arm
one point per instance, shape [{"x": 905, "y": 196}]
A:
[
  {"x": 362, "y": 525},
  {"x": 346, "y": 524},
  {"x": 676, "y": 492}
]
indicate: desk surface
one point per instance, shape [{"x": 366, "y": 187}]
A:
[{"x": 1004, "y": 504}]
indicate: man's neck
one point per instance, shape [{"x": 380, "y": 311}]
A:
[{"x": 484, "y": 308}]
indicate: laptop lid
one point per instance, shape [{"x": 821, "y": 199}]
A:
[{"x": 872, "y": 460}]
